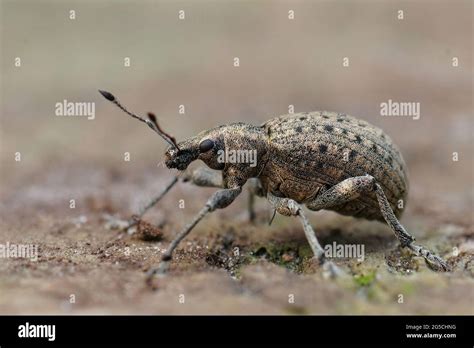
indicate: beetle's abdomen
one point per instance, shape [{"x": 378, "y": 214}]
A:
[{"x": 321, "y": 149}]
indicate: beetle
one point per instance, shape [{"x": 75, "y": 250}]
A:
[{"x": 320, "y": 160}]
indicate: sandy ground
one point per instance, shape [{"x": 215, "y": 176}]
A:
[
  {"x": 79, "y": 257},
  {"x": 84, "y": 268}
]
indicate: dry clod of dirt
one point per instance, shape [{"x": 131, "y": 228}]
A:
[{"x": 148, "y": 232}]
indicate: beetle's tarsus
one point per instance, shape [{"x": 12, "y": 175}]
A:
[
  {"x": 331, "y": 270},
  {"x": 432, "y": 260},
  {"x": 115, "y": 223},
  {"x": 161, "y": 270},
  {"x": 158, "y": 272}
]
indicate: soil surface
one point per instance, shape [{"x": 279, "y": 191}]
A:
[{"x": 227, "y": 265}]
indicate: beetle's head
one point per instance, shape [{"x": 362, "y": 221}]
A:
[
  {"x": 208, "y": 146},
  {"x": 238, "y": 144},
  {"x": 204, "y": 146}
]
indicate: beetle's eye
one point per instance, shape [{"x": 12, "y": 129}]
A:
[{"x": 206, "y": 145}]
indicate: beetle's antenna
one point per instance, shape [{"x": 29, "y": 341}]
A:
[
  {"x": 169, "y": 138},
  {"x": 152, "y": 123}
]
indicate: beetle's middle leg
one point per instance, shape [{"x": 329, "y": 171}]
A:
[
  {"x": 255, "y": 189},
  {"x": 351, "y": 188},
  {"x": 289, "y": 207}
]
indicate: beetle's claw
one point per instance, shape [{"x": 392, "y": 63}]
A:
[{"x": 437, "y": 263}]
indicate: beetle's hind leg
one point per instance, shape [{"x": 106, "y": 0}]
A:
[
  {"x": 352, "y": 188},
  {"x": 289, "y": 207},
  {"x": 404, "y": 237}
]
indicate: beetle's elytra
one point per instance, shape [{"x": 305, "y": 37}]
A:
[
  {"x": 322, "y": 160},
  {"x": 315, "y": 151}
]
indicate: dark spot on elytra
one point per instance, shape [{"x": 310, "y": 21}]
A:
[
  {"x": 344, "y": 131},
  {"x": 324, "y": 116},
  {"x": 299, "y": 129},
  {"x": 340, "y": 120},
  {"x": 374, "y": 148},
  {"x": 323, "y": 148},
  {"x": 313, "y": 128},
  {"x": 352, "y": 154},
  {"x": 328, "y": 128},
  {"x": 302, "y": 118},
  {"x": 358, "y": 139}
]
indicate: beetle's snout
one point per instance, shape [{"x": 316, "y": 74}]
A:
[
  {"x": 178, "y": 159},
  {"x": 171, "y": 158}
]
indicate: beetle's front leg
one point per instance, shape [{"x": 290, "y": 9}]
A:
[
  {"x": 204, "y": 177},
  {"x": 218, "y": 200},
  {"x": 200, "y": 176},
  {"x": 289, "y": 207},
  {"x": 124, "y": 225}
]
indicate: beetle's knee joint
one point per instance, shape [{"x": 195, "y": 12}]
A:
[
  {"x": 222, "y": 199},
  {"x": 369, "y": 182}
]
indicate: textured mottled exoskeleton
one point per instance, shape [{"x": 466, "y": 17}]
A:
[{"x": 322, "y": 160}]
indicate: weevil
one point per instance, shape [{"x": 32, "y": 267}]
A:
[{"x": 320, "y": 160}]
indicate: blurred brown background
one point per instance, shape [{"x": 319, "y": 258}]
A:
[{"x": 190, "y": 62}]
